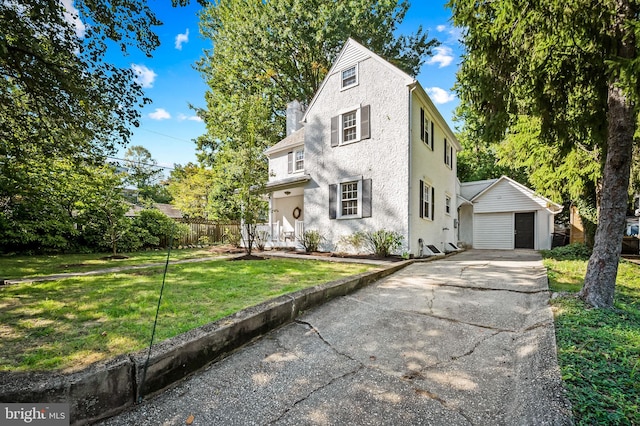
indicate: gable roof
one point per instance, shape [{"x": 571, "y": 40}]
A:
[
  {"x": 353, "y": 52},
  {"x": 468, "y": 190},
  {"x": 538, "y": 199},
  {"x": 293, "y": 140}
]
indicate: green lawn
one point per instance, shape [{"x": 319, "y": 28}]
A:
[
  {"x": 69, "y": 323},
  {"x": 599, "y": 349},
  {"x": 12, "y": 267}
]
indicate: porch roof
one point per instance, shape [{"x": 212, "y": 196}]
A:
[
  {"x": 293, "y": 140},
  {"x": 291, "y": 182}
]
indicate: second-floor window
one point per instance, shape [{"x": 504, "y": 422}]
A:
[
  {"x": 295, "y": 160},
  {"x": 447, "y": 204},
  {"x": 349, "y": 126},
  {"x": 448, "y": 154},
  {"x": 299, "y": 160},
  {"x": 426, "y": 129}
]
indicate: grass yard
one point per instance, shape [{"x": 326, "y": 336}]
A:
[
  {"x": 598, "y": 349},
  {"x": 13, "y": 267},
  {"x": 70, "y": 323}
]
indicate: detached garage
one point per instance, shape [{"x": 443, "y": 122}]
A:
[{"x": 503, "y": 214}]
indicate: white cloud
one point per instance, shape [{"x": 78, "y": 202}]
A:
[
  {"x": 443, "y": 56},
  {"x": 183, "y": 117},
  {"x": 144, "y": 76},
  {"x": 160, "y": 114},
  {"x": 441, "y": 28},
  {"x": 72, "y": 18},
  {"x": 440, "y": 96},
  {"x": 182, "y": 38}
]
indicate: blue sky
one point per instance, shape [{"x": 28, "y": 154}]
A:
[{"x": 168, "y": 126}]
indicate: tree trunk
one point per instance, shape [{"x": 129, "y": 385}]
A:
[
  {"x": 600, "y": 280},
  {"x": 602, "y": 270}
]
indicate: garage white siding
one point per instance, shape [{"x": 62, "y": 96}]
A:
[{"x": 493, "y": 231}]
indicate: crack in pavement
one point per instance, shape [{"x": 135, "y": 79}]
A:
[
  {"x": 466, "y": 287},
  {"x": 329, "y": 383},
  {"x": 390, "y": 373},
  {"x": 423, "y": 314}
]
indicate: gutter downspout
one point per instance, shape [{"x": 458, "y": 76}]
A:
[{"x": 410, "y": 139}]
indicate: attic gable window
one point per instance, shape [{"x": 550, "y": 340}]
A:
[{"x": 349, "y": 77}]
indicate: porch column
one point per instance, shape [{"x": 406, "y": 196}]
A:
[{"x": 271, "y": 216}]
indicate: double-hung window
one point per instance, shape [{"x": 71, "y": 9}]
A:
[
  {"x": 349, "y": 77},
  {"x": 349, "y": 199},
  {"x": 351, "y": 125},
  {"x": 426, "y": 129},
  {"x": 427, "y": 195},
  {"x": 448, "y": 154},
  {"x": 295, "y": 160}
]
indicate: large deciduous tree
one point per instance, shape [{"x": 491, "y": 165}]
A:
[
  {"x": 573, "y": 66},
  {"x": 58, "y": 95}
]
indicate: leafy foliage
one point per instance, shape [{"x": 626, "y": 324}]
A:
[
  {"x": 190, "y": 187},
  {"x": 575, "y": 251},
  {"x": 145, "y": 176}
]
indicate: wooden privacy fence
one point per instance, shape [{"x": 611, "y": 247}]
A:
[{"x": 205, "y": 232}]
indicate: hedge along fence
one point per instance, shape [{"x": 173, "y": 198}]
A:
[{"x": 200, "y": 228}]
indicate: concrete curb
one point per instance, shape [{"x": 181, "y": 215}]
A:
[{"x": 109, "y": 387}]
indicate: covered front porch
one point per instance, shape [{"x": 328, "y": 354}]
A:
[{"x": 285, "y": 225}]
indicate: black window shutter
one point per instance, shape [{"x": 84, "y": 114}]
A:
[
  {"x": 365, "y": 122},
  {"x": 290, "y": 161},
  {"x": 446, "y": 148},
  {"x": 433, "y": 203},
  {"x": 421, "y": 198},
  {"x": 333, "y": 195},
  {"x": 432, "y": 135},
  {"x": 335, "y": 140},
  {"x": 366, "y": 198},
  {"x": 451, "y": 156},
  {"x": 422, "y": 125}
]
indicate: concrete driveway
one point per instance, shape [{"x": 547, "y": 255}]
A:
[{"x": 464, "y": 340}]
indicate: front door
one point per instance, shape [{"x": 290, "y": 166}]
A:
[{"x": 524, "y": 230}]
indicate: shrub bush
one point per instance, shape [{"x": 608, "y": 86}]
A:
[
  {"x": 575, "y": 251},
  {"x": 310, "y": 240},
  {"x": 381, "y": 242}
]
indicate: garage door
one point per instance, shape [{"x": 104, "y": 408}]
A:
[{"x": 493, "y": 231}]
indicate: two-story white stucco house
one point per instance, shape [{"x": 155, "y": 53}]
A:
[{"x": 371, "y": 151}]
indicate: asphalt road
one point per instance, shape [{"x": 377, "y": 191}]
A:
[{"x": 466, "y": 340}]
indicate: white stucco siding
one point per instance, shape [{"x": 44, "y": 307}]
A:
[
  {"x": 428, "y": 165},
  {"x": 279, "y": 166},
  {"x": 503, "y": 197},
  {"x": 493, "y": 231},
  {"x": 381, "y": 158}
]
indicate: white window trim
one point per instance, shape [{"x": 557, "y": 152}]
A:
[
  {"x": 447, "y": 198},
  {"x": 341, "y": 114},
  {"x": 352, "y": 179},
  {"x": 342, "y": 87},
  {"x": 295, "y": 152}
]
